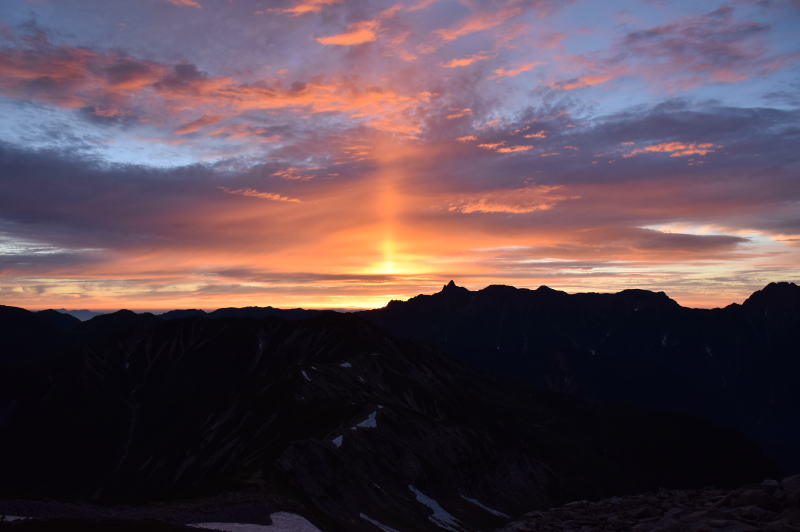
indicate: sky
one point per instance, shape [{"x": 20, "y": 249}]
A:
[{"x": 166, "y": 154}]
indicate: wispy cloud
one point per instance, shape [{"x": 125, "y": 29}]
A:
[
  {"x": 253, "y": 193},
  {"x": 515, "y": 71}
]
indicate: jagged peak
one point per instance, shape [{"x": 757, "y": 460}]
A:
[{"x": 775, "y": 291}]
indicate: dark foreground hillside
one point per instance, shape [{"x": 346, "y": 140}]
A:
[
  {"x": 328, "y": 417},
  {"x": 737, "y": 366},
  {"x": 772, "y": 506}
]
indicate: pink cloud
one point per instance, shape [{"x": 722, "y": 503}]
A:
[
  {"x": 197, "y": 125},
  {"x": 511, "y": 72},
  {"x": 477, "y": 22},
  {"x": 357, "y": 33}
]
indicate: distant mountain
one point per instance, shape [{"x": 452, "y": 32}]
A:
[
  {"x": 263, "y": 312},
  {"x": 738, "y": 366},
  {"x": 82, "y": 314},
  {"x": 329, "y": 414},
  {"x": 229, "y": 312}
]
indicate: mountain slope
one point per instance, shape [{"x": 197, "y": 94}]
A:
[
  {"x": 737, "y": 366},
  {"x": 332, "y": 413}
]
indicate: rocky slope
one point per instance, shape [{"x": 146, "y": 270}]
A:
[
  {"x": 772, "y": 506},
  {"x": 737, "y": 366},
  {"x": 329, "y": 414}
]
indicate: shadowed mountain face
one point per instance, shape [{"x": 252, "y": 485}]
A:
[
  {"x": 737, "y": 366},
  {"x": 332, "y": 413}
]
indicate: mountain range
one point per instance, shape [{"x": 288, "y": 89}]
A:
[{"x": 455, "y": 411}]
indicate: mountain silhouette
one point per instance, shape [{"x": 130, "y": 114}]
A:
[
  {"x": 737, "y": 366},
  {"x": 330, "y": 414}
]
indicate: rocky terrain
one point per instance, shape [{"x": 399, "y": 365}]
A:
[
  {"x": 772, "y": 506},
  {"x": 329, "y": 417}
]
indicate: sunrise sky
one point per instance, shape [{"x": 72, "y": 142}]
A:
[{"x": 165, "y": 154}]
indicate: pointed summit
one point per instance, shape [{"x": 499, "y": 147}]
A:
[{"x": 452, "y": 290}]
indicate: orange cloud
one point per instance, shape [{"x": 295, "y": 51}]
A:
[
  {"x": 511, "y": 72},
  {"x": 184, "y": 3},
  {"x": 294, "y": 174},
  {"x": 491, "y": 145},
  {"x": 307, "y": 6},
  {"x": 466, "y": 61},
  {"x": 584, "y": 81},
  {"x": 500, "y": 147},
  {"x": 197, "y": 125},
  {"x": 253, "y": 193},
  {"x": 538, "y": 135},
  {"x": 514, "y": 149},
  {"x": 510, "y": 201},
  {"x": 357, "y": 33},
  {"x": 676, "y": 149},
  {"x": 466, "y": 138}
]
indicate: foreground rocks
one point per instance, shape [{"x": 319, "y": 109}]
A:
[{"x": 771, "y": 506}]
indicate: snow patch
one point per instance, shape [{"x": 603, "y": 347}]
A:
[
  {"x": 380, "y": 525},
  {"x": 337, "y": 441},
  {"x": 305, "y": 376},
  {"x": 440, "y": 517},
  {"x": 13, "y": 518},
  {"x": 345, "y": 365},
  {"x": 281, "y": 522},
  {"x": 370, "y": 423},
  {"x": 482, "y": 506}
]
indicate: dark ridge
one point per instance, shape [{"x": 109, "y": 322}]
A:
[
  {"x": 263, "y": 312},
  {"x": 736, "y": 366},
  {"x": 780, "y": 296},
  {"x": 319, "y": 412},
  {"x": 58, "y": 319},
  {"x": 183, "y": 313}
]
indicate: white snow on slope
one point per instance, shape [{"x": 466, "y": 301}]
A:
[
  {"x": 482, "y": 506},
  {"x": 305, "y": 376},
  {"x": 281, "y": 522},
  {"x": 4, "y": 518},
  {"x": 346, "y": 365},
  {"x": 440, "y": 517},
  {"x": 380, "y": 525},
  {"x": 370, "y": 423},
  {"x": 337, "y": 441}
]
